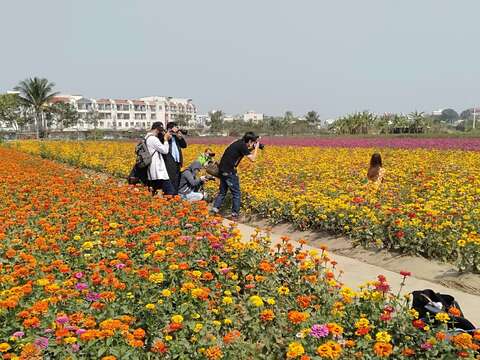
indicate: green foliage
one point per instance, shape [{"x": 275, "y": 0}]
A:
[
  {"x": 10, "y": 110},
  {"x": 216, "y": 120}
]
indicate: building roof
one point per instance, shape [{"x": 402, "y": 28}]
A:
[
  {"x": 121, "y": 101},
  {"x": 59, "y": 99},
  {"x": 138, "y": 102},
  {"x": 103, "y": 101}
]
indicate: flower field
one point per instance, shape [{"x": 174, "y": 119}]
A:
[
  {"x": 428, "y": 205},
  {"x": 90, "y": 269},
  {"x": 356, "y": 142}
]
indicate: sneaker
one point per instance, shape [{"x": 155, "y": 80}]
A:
[
  {"x": 214, "y": 211},
  {"x": 234, "y": 217}
]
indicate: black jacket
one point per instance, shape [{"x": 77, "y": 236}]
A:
[
  {"x": 189, "y": 181},
  {"x": 181, "y": 144}
]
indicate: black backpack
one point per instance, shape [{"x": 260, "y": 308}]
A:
[
  {"x": 143, "y": 156},
  {"x": 423, "y": 302}
]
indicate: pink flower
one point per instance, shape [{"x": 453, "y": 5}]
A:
[
  {"x": 78, "y": 275},
  {"x": 62, "y": 319}
]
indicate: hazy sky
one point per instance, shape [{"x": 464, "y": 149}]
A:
[{"x": 333, "y": 56}]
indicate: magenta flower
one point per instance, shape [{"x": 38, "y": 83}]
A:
[
  {"x": 18, "y": 334},
  {"x": 80, "y": 331},
  {"x": 41, "y": 342},
  {"x": 62, "y": 319},
  {"x": 92, "y": 296},
  {"x": 75, "y": 347},
  {"x": 120, "y": 266},
  {"x": 78, "y": 275},
  {"x": 319, "y": 331},
  {"x": 81, "y": 286},
  {"x": 426, "y": 346}
]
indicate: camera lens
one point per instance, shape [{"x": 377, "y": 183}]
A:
[{"x": 261, "y": 146}]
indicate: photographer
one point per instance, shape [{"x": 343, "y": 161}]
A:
[
  {"x": 174, "y": 158},
  {"x": 247, "y": 146},
  {"x": 190, "y": 184},
  {"x": 206, "y": 157},
  {"x": 157, "y": 143}
]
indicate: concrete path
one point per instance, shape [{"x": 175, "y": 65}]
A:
[{"x": 357, "y": 272}]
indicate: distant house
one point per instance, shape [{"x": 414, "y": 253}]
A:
[{"x": 253, "y": 116}]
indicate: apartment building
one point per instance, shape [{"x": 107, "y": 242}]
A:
[
  {"x": 125, "y": 114},
  {"x": 252, "y": 116}
]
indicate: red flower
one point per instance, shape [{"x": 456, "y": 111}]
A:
[{"x": 405, "y": 273}]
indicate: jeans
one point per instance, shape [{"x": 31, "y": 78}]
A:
[
  {"x": 193, "y": 196},
  {"x": 165, "y": 185},
  {"x": 227, "y": 182}
]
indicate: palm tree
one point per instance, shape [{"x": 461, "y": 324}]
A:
[{"x": 36, "y": 93}]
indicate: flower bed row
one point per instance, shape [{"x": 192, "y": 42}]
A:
[
  {"x": 429, "y": 204},
  {"x": 91, "y": 269}
]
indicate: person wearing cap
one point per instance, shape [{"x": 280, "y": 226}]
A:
[
  {"x": 246, "y": 146},
  {"x": 157, "y": 145}
]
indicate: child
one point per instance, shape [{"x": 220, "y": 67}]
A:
[{"x": 376, "y": 172}]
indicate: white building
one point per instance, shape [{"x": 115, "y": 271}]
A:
[
  {"x": 202, "y": 120},
  {"x": 125, "y": 114},
  {"x": 252, "y": 116}
]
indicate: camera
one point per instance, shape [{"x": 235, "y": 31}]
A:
[
  {"x": 261, "y": 146},
  {"x": 182, "y": 131}
]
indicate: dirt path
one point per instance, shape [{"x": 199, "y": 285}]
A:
[
  {"x": 422, "y": 268},
  {"x": 357, "y": 272}
]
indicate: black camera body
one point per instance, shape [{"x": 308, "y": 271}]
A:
[{"x": 261, "y": 146}]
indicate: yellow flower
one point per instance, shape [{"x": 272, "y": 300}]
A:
[
  {"x": 70, "y": 340},
  {"x": 198, "y": 327},
  {"x": 443, "y": 317},
  {"x": 150, "y": 306},
  {"x": 271, "y": 301},
  {"x": 295, "y": 350},
  {"x": 76, "y": 237},
  {"x": 227, "y": 321},
  {"x": 195, "y": 316},
  {"x": 168, "y": 338},
  {"x": 227, "y": 300},
  {"x": 256, "y": 301},
  {"x": 87, "y": 245},
  {"x": 166, "y": 293},
  {"x": 283, "y": 290},
  {"x": 217, "y": 323},
  {"x": 413, "y": 313},
  {"x": 156, "y": 278},
  {"x": 4, "y": 347},
  {"x": 43, "y": 282},
  {"x": 383, "y": 336},
  {"x": 177, "y": 319},
  {"x": 461, "y": 243},
  {"x": 196, "y": 273}
]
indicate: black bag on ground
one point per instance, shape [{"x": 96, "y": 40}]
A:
[
  {"x": 428, "y": 303},
  {"x": 138, "y": 175}
]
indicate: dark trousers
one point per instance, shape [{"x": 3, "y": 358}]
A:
[
  {"x": 164, "y": 185},
  {"x": 232, "y": 183},
  {"x": 175, "y": 176}
]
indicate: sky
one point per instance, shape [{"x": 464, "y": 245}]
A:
[{"x": 331, "y": 56}]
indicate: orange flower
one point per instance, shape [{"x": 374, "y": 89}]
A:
[
  {"x": 408, "y": 352},
  {"x": 463, "y": 341},
  {"x": 139, "y": 333},
  {"x": 267, "y": 315},
  {"x": 454, "y": 311},
  {"x": 382, "y": 349},
  {"x": 297, "y": 317},
  {"x": 304, "y": 301},
  {"x": 214, "y": 353},
  {"x": 159, "y": 347},
  {"x": 109, "y": 357},
  {"x": 231, "y": 336}
]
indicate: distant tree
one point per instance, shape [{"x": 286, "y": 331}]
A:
[
  {"x": 288, "y": 117},
  {"x": 36, "y": 93},
  {"x": 312, "y": 117},
  {"x": 11, "y": 112},
  {"x": 417, "y": 121},
  {"x": 65, "y": 115},
  {"x": 216, "y": 120},
  {"x": 92, "y": 117},
  {"x": 182, "y": 120},
  {"x": 449, "y": 115},
  {"x": 466, "y": 114}
]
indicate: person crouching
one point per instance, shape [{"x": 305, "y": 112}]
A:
[{"x": 191, "y": 184}]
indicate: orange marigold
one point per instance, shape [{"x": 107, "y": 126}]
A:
[
  {"x": 214, "y": 353},
  {"x": 297, "y": 317},
  {"x": 159, "y": 347},
  {"x": 382, "y": 349},
  {"x": 267, "y": 315}
]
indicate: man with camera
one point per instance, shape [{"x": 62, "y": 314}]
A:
[
  {"x": 174, "y": 158},
  {"x": 191, "y": 186},
  {"x": 247, "y": 146}
]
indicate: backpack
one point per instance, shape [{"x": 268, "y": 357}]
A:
[{"x": 144, "y": 158}]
